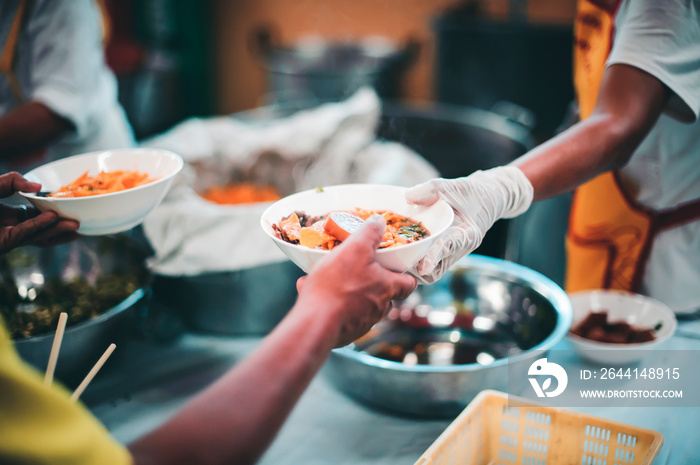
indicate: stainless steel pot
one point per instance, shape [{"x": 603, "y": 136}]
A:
[
  {"x": 84, "y": 342},
  {"x": 492, "y": 313},
  {"x": 319, "y": 70},
  {"x": 241, "y": 302}
]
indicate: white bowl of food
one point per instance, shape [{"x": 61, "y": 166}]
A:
[
  {"x": 617, "y": 327},
  {"x": 108, "y": 191},
  {"x": 425, "y": 224}
]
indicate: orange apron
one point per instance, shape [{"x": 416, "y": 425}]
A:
[{"x": 610, "y": 235}]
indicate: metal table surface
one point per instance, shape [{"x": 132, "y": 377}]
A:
[{"x": 326, "y": 427}]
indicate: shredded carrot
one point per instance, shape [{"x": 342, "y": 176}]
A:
[
  {"x": 104, "y": 183},
  {"x": 234, "y": 194}
]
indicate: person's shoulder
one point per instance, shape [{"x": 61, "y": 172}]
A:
[
  {"x": 661, "y": 38},
  {"x": 664, "y": 13}
]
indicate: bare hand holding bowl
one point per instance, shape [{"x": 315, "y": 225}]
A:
[{"x": 113, "y": 212}]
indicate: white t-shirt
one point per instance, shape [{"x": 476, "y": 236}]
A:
[
  {"x": 60, "y": 62},
  {"x": 662, "y": 38}
]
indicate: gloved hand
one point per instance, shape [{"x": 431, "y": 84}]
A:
[{"x": 478, "y": 200}]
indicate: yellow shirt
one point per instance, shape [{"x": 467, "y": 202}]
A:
[{"x": 40, "y": 425}]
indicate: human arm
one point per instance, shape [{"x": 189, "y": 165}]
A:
[
  {"x": 629, "y": 103},
  {"x": 28, "y": 129},
  {"x": 26, "y": 225},
  {"x": 60, "y": 68},
  {"x": 235, "y": 419}
]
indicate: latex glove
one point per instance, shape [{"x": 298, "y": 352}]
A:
[{"x": 478, "y": 200}]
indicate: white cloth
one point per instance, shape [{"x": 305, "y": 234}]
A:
[
  {"x": 331, "y": 144},
  {"x": 60, "y": 63},
  {"x": 663, "y": 39},
  {"x": 320, "y": 143}
]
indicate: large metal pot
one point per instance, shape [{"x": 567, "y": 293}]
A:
[
  {"x": 84, "y": 342},
  {"x": 457, "y": 140},
  {"x": 484, "y": 317},
  {"x": 243, "y": 302},
  {"x": 319, "y": 70}
]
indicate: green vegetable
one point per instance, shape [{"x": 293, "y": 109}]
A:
[
  {"x": 25, "y": 317},
  {"x": 413, "y": 231}
]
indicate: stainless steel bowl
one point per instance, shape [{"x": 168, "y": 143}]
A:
[
  {"x": 84, "y": 342},
  {"x": 448, "y": 341}
]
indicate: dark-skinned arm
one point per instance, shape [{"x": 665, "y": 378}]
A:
[
  {"x": 29, "y": 128},
  {"x": 26, "y": 225},
  {"x": 235, "y": 419},
  {"x": 629, "y": 103}
]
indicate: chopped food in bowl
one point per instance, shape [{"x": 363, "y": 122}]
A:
[
  {"x": 327, "y": 231},
  {"x": 617, "y": 327},
  {"x": 307, "y": 225},
  {"x": 107, "y": 192},
  {"x": 596, "y": 327},
  {"x": 102, "y": 283}
]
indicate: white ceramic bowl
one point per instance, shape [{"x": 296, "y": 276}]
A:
[
  {"x": 437, "y": 218},
  {"x": 636, "y": 310},
  {"x": 106, "y": 213}
]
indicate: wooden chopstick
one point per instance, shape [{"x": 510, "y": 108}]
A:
[
  {"x": 55, "y": 348},
  {"x": 92, "y": 373}
]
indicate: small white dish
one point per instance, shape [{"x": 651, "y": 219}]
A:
[
  {"x": 634, "y": 309},
  {"x": 106, "y": 213},
  {"x": 436, "y": 218}
]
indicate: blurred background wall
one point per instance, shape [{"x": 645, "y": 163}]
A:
[
  {"x": 241, "y": 82},
  {"x": 180, "y": 58}
]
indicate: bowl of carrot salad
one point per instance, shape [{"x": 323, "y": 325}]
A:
[
  {"x": 307, "y": 225},
  {"x": 108, "y": 191}
]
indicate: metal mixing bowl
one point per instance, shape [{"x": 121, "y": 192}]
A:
[
  {"x": 83, "y": 342},
  {"x": 448, "y": 341}
]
